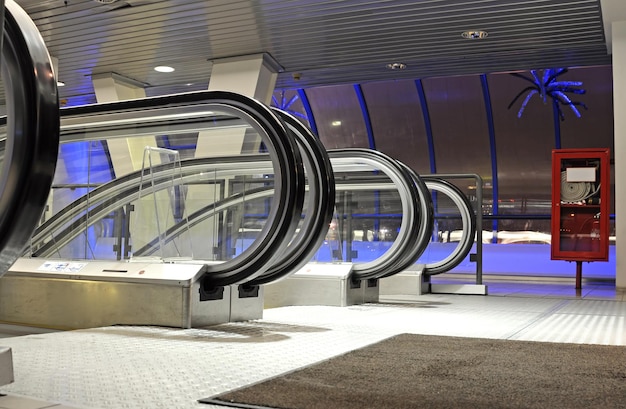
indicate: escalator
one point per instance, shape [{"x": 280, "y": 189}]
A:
[
  {"x": 255, "y": 238},
  {"x": 32, "y": 131},
  {"x": 210, "y": 111},
  {"x": 368, "y": 245},
  {"x": 28, "y": 156},
  {"x": 383, "y": 225},
  {"x": 239, "y": 217},
  {"x": 355, "y": 170}
]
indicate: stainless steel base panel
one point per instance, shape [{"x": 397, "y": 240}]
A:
[
  {"x": 414, "y": 282},
  {"x": 469, "y": 289},
  {"x": 96, "y": 294},
  {"x": 6, "y": 366},
  {"x": 245, "y": 306},
  {"x": 410, "y": 282},
  {"x": 320, "y": 284}
]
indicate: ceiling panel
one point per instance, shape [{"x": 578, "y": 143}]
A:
[{"x": 326, "y": 42}]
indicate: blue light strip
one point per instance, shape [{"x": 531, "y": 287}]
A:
[
  {"x": 372, "y": 145},
  {"x": 366, "y": 116},
  {"x": 557, "y": 124},
  {"x": 309, "y": 112},
  {"x": 547, "y": 86},
  {"x": 429, "y": 139},
  {"x": 427, "y": 125},
  {"x": 492, "y": 150}
]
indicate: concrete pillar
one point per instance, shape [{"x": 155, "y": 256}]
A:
[
  {"x": 619, "y": 105},
  {"x": 126, "y": 154},
  {"x": 250, "y": 75}
]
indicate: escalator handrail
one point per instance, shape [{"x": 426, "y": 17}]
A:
[
  {"x": 469, "y": 226},
  {"x": 439, "y": 184},
  {"x": 288, "y": 171},
  {"x": 409, "y": 199},
  {"x": 426, "y": 223},
  {"x": 320, "y": 207},
  {"x": 30, "y": 151}
]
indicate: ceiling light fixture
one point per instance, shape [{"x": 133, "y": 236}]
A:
[
  {"x": 164, "y": 68},
  {"x": 396, "y": 66},
  {"x": 474, "y": 34},
  {"x": 60, "y": 84}
]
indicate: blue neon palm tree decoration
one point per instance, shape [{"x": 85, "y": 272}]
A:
[
  {"x": 546, "y": 86},
  {"x": 286, "y": 105}
]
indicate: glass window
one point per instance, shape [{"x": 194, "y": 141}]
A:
[
  {"x": 397, "y": 122},
  {"x": 338, "y": 116},
  {"x": 459, "y": 126},
  {"x": 594, "y": 128},
  {"x": 290, "y": 102},
  {"x": 523, "y": 146}
]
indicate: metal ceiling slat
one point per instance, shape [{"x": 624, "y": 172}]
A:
[
  {"x": 142, "y": 43},
  {"x": 331, "y": 41},
  {"x": 96, "y": 24},
  {"x": 145, "y": 43},
  {"x": 420, "y": 54}
]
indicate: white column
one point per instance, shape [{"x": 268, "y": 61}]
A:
[
  {"x": 250, "y": 75},
  {"x": 619, "y": 106},
  {"x": 126, "y": 154}
]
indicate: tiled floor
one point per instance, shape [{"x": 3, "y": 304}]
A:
[
  {"x": 557, "y": 285},
  {"x": 153, "y": 367}
]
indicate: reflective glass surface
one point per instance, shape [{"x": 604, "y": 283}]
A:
[
  {"x": 458, "y": 118},
  {"x": 523, "y": 148},
  {"x": 290, "y": 102},
  {"x": 397, "y": 122},
  {"x": 459, "y": 126},
  {"x": 594, "y": 128},
  {"x": 338, "y": 117},
  {"x": 227, "y": 205}
]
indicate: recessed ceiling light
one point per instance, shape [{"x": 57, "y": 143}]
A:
[
  {"x": 335, "y": 123},
  {"x": 474, "y": 34},
  {"x": 60, "y": 84},
  {"x": 396, "y": 66},
  {"x": 164, "y": 68}
]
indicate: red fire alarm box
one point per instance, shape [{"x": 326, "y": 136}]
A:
[{"x": 580, "y": 205}]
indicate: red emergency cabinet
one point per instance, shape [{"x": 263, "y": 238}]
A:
[{"x": 580, "y": 205}]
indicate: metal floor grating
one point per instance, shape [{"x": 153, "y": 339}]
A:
[{"x": 155, "y": 367}]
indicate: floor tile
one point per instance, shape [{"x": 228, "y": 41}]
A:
[{"x": 154, "y": 367}]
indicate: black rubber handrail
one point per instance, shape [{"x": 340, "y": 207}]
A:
[
  {"x": 387, "y": 263},
  {"x": 288, "y": 169},
  {"x": 469, "y": 219},
  {"x": 321, "y": 197},
  {"x": 320, "y": 207},
  {"x": 30, "y": 151},
  {"x": 422, "y": 239},
  {"x": 426, "y": 222}
]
